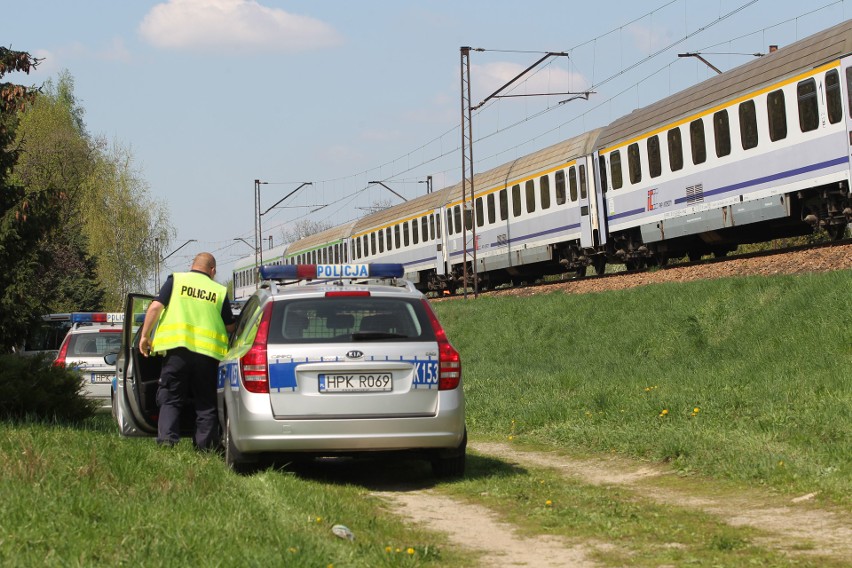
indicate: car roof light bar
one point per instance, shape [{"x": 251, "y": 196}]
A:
[{"x": 330, "y": 271}]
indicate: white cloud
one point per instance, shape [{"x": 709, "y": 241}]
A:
[
  {"x": 233, "y": 25},
  {"x": 649, "y": 40}
]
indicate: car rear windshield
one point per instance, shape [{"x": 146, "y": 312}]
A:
[
  {"x": 93, "y": 344},
  {"x": 349, "y": 318}
]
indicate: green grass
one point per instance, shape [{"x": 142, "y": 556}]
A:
[
  {"x": 744, "y": 378},
  {"x": 84, "y": 497},
  {"x": 739, "y": 383}
]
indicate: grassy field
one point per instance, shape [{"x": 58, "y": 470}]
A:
[
  {"x": 744, "y": 381},
  {"x": 748, "y": 379}
]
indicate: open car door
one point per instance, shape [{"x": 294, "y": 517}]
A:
[{"x": 135, "y": 393}]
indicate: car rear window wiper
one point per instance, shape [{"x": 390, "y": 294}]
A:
[{"x": 373, "y": 335}]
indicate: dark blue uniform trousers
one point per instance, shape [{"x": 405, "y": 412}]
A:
[{"x": 185, "y": 373}]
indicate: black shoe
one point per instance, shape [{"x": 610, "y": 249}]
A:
[{"x": 166, "y": 443}]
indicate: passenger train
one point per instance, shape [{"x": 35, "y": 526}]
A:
[{"x": 756, "y": 153}]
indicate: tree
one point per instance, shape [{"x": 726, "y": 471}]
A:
[
  {"x": 21, "y": 215},
  {"x": 303, "y": 228},
  {"x": 55, "y": 161},
  {"x": 123, "y": 225}
]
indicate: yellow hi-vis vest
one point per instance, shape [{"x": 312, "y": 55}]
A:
[{"x": 193, "y": 317}]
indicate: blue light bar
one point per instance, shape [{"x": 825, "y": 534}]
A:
[
  {"x": 97, "y": 317},
  {"x": 330, "y": 271}
]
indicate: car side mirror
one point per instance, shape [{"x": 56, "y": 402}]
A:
[{"x": 110, "y": 358}]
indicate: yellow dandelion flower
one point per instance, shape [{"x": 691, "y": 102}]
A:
[
  {"x": 511, "y": 437},
  {"x": 319, "y": 519},
  {"x": 293, "y": 550},
  {"x": 647, "y": 389},
  {"x": 665, "y": 412},
  {"x": 398, "y": 550},
  {"x": 410, "y": 550},
  {"x": 548, "y": 503},
  {"x": 696, "y": 410},
  {"x": 388, "y": 549},
  {"x": 781, "y": 463}
]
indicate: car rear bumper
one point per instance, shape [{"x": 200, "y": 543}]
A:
[{"x": 255, "y": 430}]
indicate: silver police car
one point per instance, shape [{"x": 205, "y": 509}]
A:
[
  {"x": 340, "y": 360},
  {"x": 89, "y": 348}
]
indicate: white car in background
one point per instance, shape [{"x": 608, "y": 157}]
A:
[{"x": 89, "y": 348}]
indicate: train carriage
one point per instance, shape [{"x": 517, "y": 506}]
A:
[
  {"x": 409, "y": 234},
  {"x": 753, "y": 154},
  {"x": 756, "y": 153}
]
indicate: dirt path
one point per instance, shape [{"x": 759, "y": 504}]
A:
[{"x": 792, "y": 526}]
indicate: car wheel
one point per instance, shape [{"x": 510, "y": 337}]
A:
[
  {"x": 450, "y": 464},
  {"x": 233, "y": 457}
]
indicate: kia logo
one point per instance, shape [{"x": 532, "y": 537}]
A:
[{"x": 355, "y": 354}]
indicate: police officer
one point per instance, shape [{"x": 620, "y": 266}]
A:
[{"x": 192, "y": 318}]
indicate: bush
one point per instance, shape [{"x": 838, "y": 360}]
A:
[{"x": 32, "y": 388}]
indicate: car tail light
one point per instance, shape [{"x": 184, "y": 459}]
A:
[
  {"x": 253, "y": 365},
  {"x": 449, "y": 361},
  {"x": 63, "y": 351}
]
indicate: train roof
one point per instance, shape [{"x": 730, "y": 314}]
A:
[
  {"x": 516, "y": 171},
  {"x": 321, "y": 238},
  {"x": 787, "y": 61}
]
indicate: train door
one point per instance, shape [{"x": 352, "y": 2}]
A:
[
  {"x": 846, "y": 79},
  {"x": 591, "y": 203},
  {"x": 440, "y": 242}
]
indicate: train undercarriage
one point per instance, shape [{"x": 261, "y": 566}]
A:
[{"x": 798, "y": 214}]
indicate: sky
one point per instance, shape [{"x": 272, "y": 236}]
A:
[{"x": 317, "y": 99}]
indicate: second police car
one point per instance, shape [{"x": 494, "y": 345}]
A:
[
  {"x": 89, "y": 348},
  {"x": 326, "y": 360}
]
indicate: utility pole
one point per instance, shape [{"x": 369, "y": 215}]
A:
[{"x": 467, "y": 147}]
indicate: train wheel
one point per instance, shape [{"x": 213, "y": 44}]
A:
[{"x": 600, "y": 265}]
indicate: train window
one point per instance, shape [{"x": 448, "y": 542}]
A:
[
  {"x": 337, "y": 251},
  {"x": 366, "y": 245},
  {"x": 697, "y": 142},
  {"x": 373, "y": 243},
  {"x": 405, "y": 234},
  {"x": 572, "y": 182},
  {"x": 432, "y": 226},
  {"x": 457, "y": 218},
  {"x": 415, "y": 234},
  {"x": 424, "y": 228},
  {"x": 544, "y": 191},
  {"x": 675, "y": 143},
  {"x": 396, "y": 236},
  {"x": 388, "y": 240},
  {"x": 468, "y": 217},
  {"x": 560, "y": 187},
  {"x": 655, "y": 164},
  {"x": 480, "y": 216},
  {"x": 832, "y": 96},
  {"x": 437, "y": 225},
  {"x": 722, "y": 133},
  {"x": 615, "y": 170},
  {"x": 516, "y": 200},
  {"x": 776, "y": 110},
  {"x": 808, "y": 111},
  {"x": 504, "y": 205},
  {"x": 602, "y": 169},
  {"x": 492, "y": 213},
  {"x": 634, "y": 166},
  {"x": 748, "y": 125},
  {"x": 582, "y": 182},
  {"x": 529, "y": 191},
  {"x": 449, "y": 221},
  {"x": 357, "y": 248}
]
